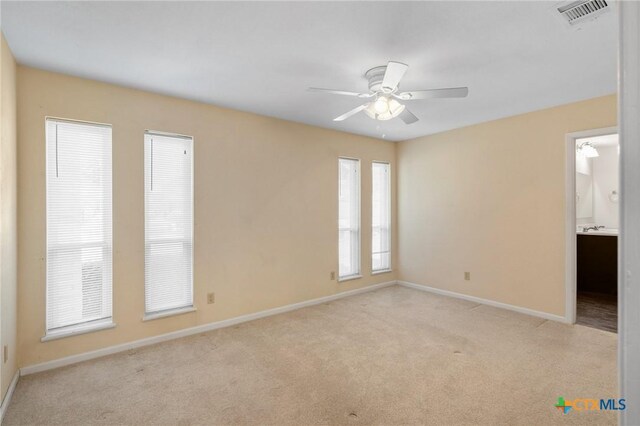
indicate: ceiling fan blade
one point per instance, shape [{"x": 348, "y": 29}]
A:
[
  {"x": 350, "y": 113},
  {"x": 452, "y": 92},
  {"x": 408, "y": 117},
  {"x": 394, "y": 73},
  {"x": 339, "y": 92}
]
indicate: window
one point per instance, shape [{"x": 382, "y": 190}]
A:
[
  {"x": 168, "y": 210},
  {"x": 349, "y": 218},
  {"x": 79, "y": 247},
  {"x": 380, "y": 217}
]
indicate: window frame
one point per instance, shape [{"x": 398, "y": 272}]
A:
[
  {"x": 358, "y": 260},
  {"x": 163, "y": 313},
  {"x": 390, "y": 223},
  {"x": 95, "y": 324}
]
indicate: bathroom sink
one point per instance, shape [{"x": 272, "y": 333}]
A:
[{"x": 601, "y": 231}]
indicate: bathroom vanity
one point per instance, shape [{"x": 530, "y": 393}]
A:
[{"x": 597, "y": 255}]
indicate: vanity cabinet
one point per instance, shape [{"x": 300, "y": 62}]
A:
[{"x": 597, "y": 266}]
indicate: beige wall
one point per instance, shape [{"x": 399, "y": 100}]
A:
[
  {"x": 8, "y": 215},
  {"x": 490, "y": 199},
  {"x": 265, "y": 207}
]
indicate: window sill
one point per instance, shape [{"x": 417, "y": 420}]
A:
[
  {"x": 349, "y": 278},
  {"x": 74, "y": 330},
  {"x": 168, "y": 313},
  {"x": 381, "y": 271}
]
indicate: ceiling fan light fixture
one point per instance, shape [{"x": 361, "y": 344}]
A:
[
  {"x": 395, "y": 108},
  {"x": 392, "y": 110},
  {"x": 381, "y": 105}
]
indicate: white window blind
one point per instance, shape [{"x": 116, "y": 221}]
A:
[
  {"x": 168, "y": 222},
  {"x": 349, "y": 218},
  {"x": 79, "y": 246},
  {"x": 380, "y": 217}
]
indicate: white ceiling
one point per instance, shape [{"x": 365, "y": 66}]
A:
[
  {"x": 600, "y": 141},
  {"x": 260, "y": 57}
]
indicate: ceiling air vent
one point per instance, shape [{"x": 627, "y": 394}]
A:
[{"x": 578, "y": 12}]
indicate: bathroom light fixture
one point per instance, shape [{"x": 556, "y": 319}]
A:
[{"x": 588, "y": 150}]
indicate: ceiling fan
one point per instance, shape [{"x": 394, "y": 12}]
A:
[{"x": 384, "y": 94}]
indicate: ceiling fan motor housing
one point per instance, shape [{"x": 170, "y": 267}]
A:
[{"x": 375, "y": 77}]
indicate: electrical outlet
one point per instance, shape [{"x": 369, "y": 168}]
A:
[
  {"x": 332, "y": 275},
  {"x": 467, "y": 276},
  {"x": 5, "y": 353},
  {"x": 211, "y": 298}
]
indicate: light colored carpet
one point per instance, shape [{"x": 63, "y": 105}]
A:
[{"x": 392, "y": 356}]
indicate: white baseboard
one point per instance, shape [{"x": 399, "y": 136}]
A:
[
  {"x": 73, "y": 359},
  {"x": 488, "y": 302},
  {"x": 7, "y": 398}
]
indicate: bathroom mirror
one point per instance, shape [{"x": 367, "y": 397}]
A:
[
  {"x": 584, "y": 196},
  {"x": 597, "y": 163}
]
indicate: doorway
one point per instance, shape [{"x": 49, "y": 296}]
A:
[{"x": 592, "y": 228}]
